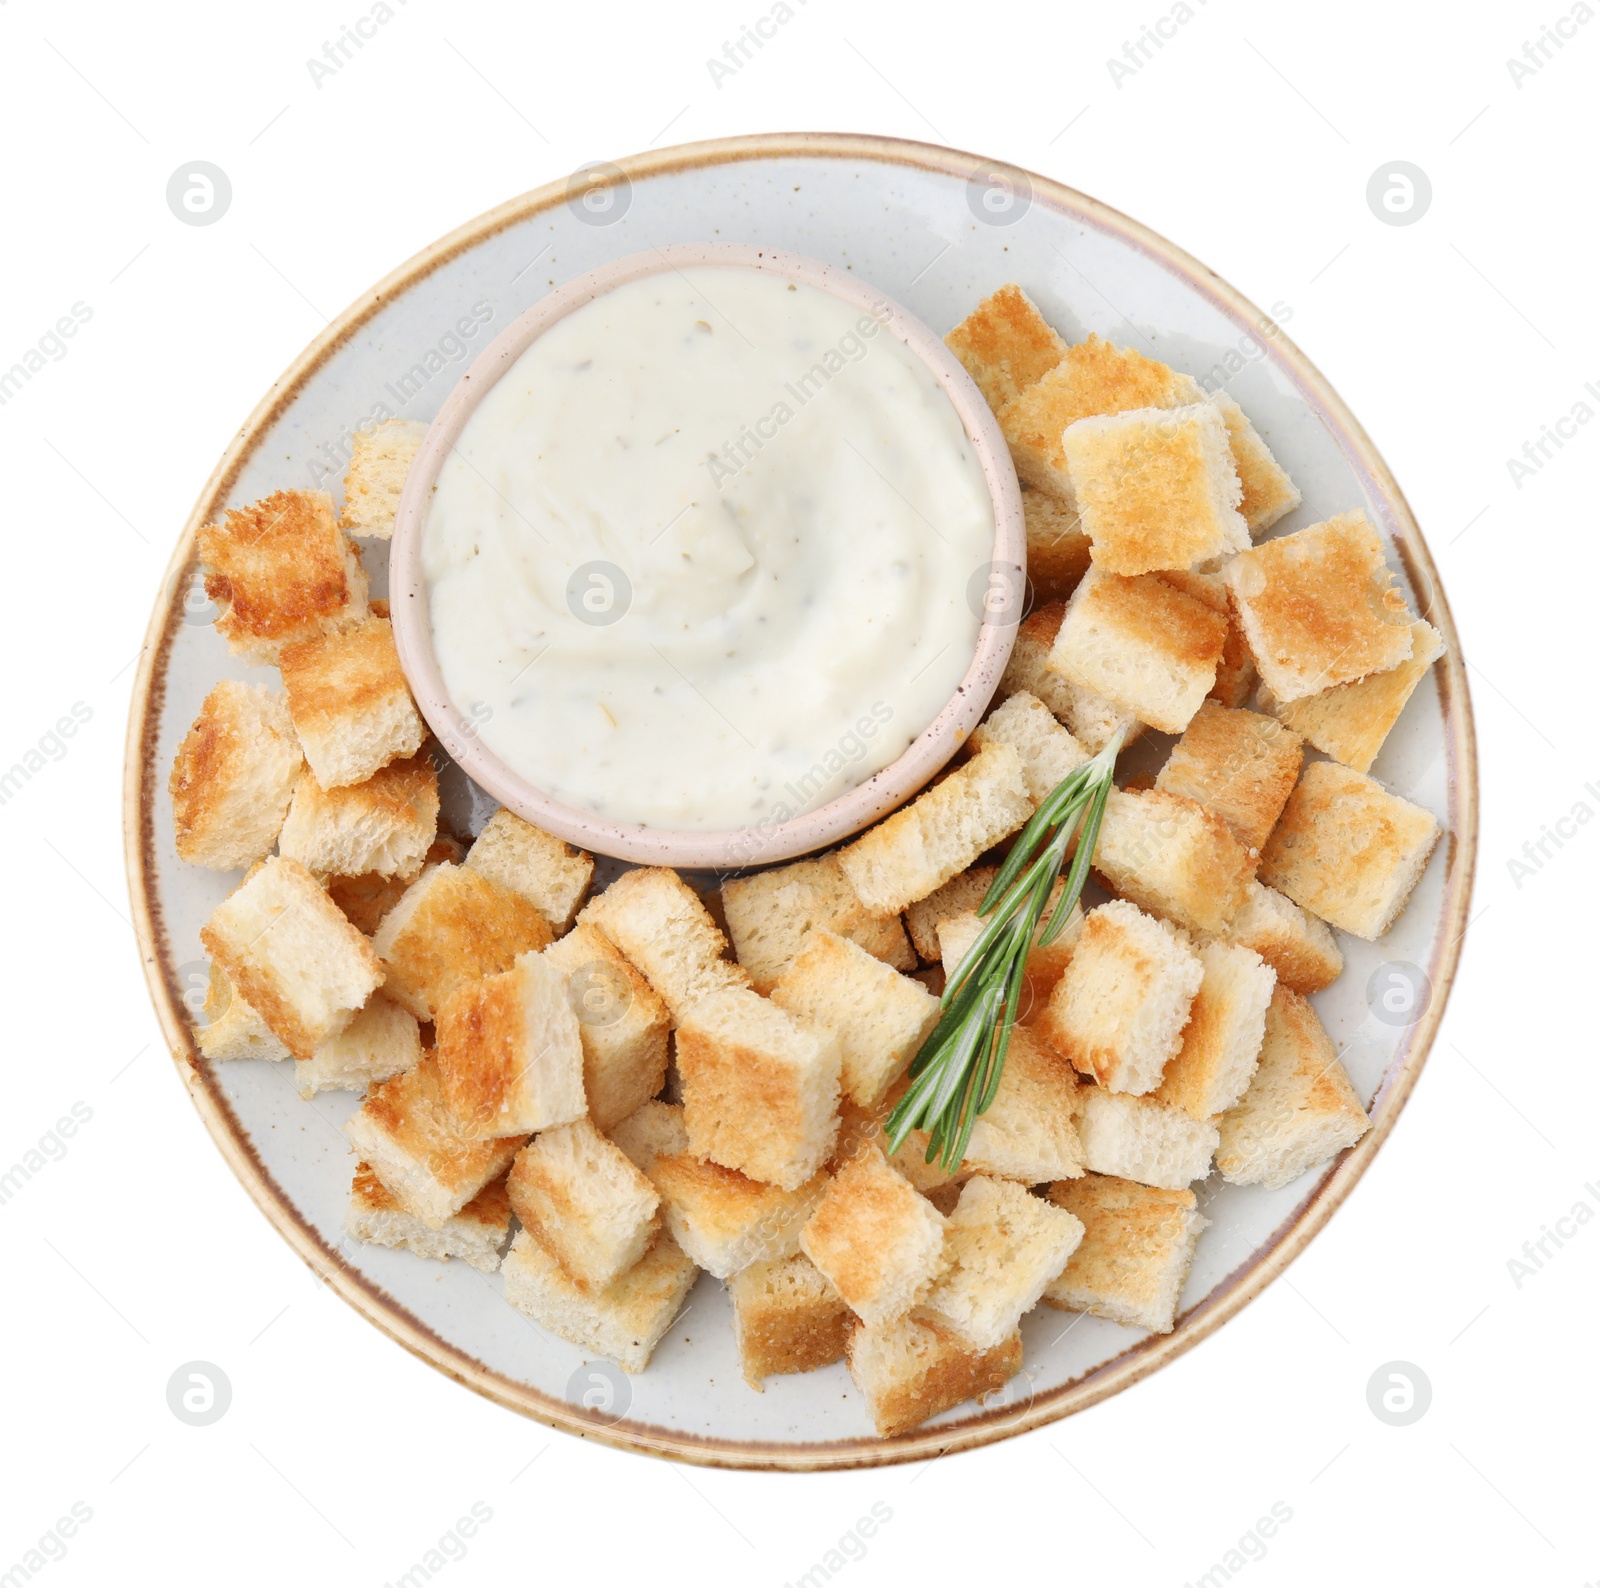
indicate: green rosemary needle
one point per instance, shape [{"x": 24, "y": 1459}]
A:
[{"x": 957, "y": 1070}]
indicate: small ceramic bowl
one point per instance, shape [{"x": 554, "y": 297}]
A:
[{"x": 730, "y": 850}]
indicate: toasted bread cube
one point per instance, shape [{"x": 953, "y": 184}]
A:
[
  {"x": 623, "y": 1025},
  {"x": 787, "y": 1318},
  {"x": 1236, "y": 668},
  {"x": 1141, "y": 1139},
  {"x": 940, "y": 832},
  {"x": 1094, "y": 377},
  {"x": 916, "y": 1367},
  {"x": 233, "y": 776},
  {"x": 725, "y": 1220},
  {"x": 232, "y": 1029},
  {"x": 369, "y": 896},
  {"x": 1300, "y": 1109},
  {"x": 1119, "y": 1010},
  {"x": 961, "y": 895},
  {"x": 382, "y": 1041},
  {"x": 658, "y": 921},
  {"x": 760, "y": 1090},
  {"x": 1006, "y": 344},
  {"x": 654, "y": 1130},
  {"x": 416, "y": 1147},
  {"x": 451, "y": 926},
  {"x": 1001, "y": 1248},
  {"x": 1058, "y": 548},
  {"x": 1241, "y": 766},
  {"x": 589, "y": 1206},
  {"x": 1319, "y": 607},
  {"x": 509, "y": 1055},
  {"x": 1044, "y": 965},
  {"x": 1351, "y": 721},
  {"x": 1173, "y": 858},
  {"x": 624, "y": 1321},
  {"x": 521, "y": 858},
  {"x": 1223, "y": 1037},
  {"x": 380, "y": 460},
  {"x": 1030, "y": 1131},
  {"x": 1268, "y": 492},
  {"x": 281, "y": 571},
  {"x": 383, "y": 827},
  {"x": 1090, "y": 718},
  {"x": 1137, "y": 1245},
  {"x": 288, "y": 951},
  {"x": 1155, "y": 488},
  {"x": 477, "y": 1234},
  {"x": 1348, "y": 850},
  {"x": 875, "y": 1238},
  {"x": 1049, "y": 752},
  {"x": 1141, "y": 643},
  {"x": 879, "y": 1017},
  {"x": 1299, "y": 947}
]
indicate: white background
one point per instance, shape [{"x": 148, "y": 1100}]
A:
[{"x": 1248, "y": 139}]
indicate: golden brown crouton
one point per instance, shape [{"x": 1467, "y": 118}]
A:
[
  {"x": 475, "y": 1234},
  {"x": 1241, "y": 766},
  {"x": 915, "y": 1367},
  {"x": 1222, "y": 1040},
  {"x": 1005, "y": 345},
  {"x": 1298, "y": 946},
  {"x": 787, "y": 1318},
  {"x": 1236, "y": 667},
  {"x": 1269, "y": 493},
  {"x": 368, "y": 897},
  {"x": 1091, "y": 718},
  {"x": 522, "y": 858},
  {"x": 384, "y": 826},
  {"x": 725, "y": 1220},
  {"x": 380, "y": 459},
  {"x": 1058, "y": 548}
]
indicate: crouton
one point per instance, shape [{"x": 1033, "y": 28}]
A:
[
  {"x": 961, "y": 895},
  {"x": 1348, "y": 850},
  {"x": 625, "y": 1321},
  {"x": 1300, "y": 1109},
  {"x": 1090, "y": 718},
  {"x": 291, "y": 955},
  {"x": 384, "y": 826},
  {"x": 653, "y": 1130},
  {"x": 1138, "y": 1242},
  {"x": 760, "y": 1090},
  {"x": 477, "y": 1234},
  {"x": 380, "y": 459},
  {"x": 915, "y": 1368},
  {"x": 1173, "y": 858},
  {"x": 232, "y": 1029},
  {"x": 1119, "y": 1010},
  {"x": 369, "y": 896},
  {"x": 381, "y": 1042},
  {"x": 414, "y": 1144},
  {"x": 1299, "y": 947},
  {"x": 1049, "y": 752},
  {"x": 1001, "y": 1248},
  {"x": 1236, "y": 667},
  {"x": 879, "y": 1017},
  {"x": 1040, "y": 971},
  {"x": 725, "y": 1220},
  {"x": 1057, "y": 547},
  {"x": 1005, "y": 345},
  {"x": 1241, "y": 766},
  {"x": 940, "y": 832},
  {"x": 1155, "y": 488},
  {"x": 1223, "y": 1037},
  {"x": 281, "y": 571},
  {"x": 521, "y": 858},
  {"x": 1351, "y": 721},
  {"x": 1141, "y": 1139},
  {"x": 1141, "y": 643},
  {"x": 1030, "y": 1131},
  {"x": 1319, "y": 607},
  {"x": 787, "y": 1318},
  {"x": 451, "y": 926},
  {"x": 509, "y": 1055},
  {"x": 233, "y": 776},
  {"x": 1268, "y": 492}
]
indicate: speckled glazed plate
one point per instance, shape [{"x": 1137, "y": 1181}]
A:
[{"x": 936, "y": 230}]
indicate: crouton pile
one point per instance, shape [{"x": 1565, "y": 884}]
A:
[{"x": 600, "y": 1097}]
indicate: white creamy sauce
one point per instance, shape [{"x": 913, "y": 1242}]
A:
[{"x": 703, "y": 557}]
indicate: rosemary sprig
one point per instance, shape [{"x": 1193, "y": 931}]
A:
[{"x": 957, "y": 1070}]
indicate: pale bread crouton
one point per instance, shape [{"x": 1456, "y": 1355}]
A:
[
  {"x": 1319, "y": 607},
  {"x": 1268, "y": 492},
  {"x": 787, "y": 1318},
  {"x": 1348, "y": 850},
  {"x": 878, "y": 1241},
  {"x": 1030, "y": 1131},
  {"x": 1223, "y": 1037},
  {"x": 1057, "y": 548},
  {"x": 760, "y": 1090},
  {"x": 281, "y": 571},
  {"x": 1300, "y": 1109},
  {"x": 521, "y": 858},
  {"x": 369, "y": 896},
  {"x": 1236, "y": 667},
  {"x": 384, "y": 827},
  {"x": 416, "y": 1147},
  {"x": 1142, "y": 644},
  {"x": 232, "y": 1029},
  {"x": 1241, "y": 766},
  {"x": 380, "y": 459},
  {"x": 381, "y": 1042},
  {"x": 1155, "y": 488},
  {"x": 1090, "y": 718},
  {"x": 1141, "y": 1139},
  {"x": 1138, "y": 1242},
  {"x": 942, "y": 831},
  {"x": 288, "y": 951},
  {"x": 588, "y": 1205},
  {"x": 1005, "y": 344},
  {"x": 1298, "y": 946},
  {"x": 1001, "y": 1248},
  {"x": 477, "y": 1234},
  {"x": 725, "y": 1220},
  {"x": 915, "y": 1367},
  {"x": 879, "y": 1017},
  {"x": 450, "y": 927},
  {"x": 509, "y": 1056},
  {"x": 625, "y": 1321},
  {"x": 961, "y": 895},
  {"x": 233, "y": 777},
  {"x": 1049, "y": 752},
  {"x": 654, "y": 1130},
  {"x": 1119, "y": 1010}
]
